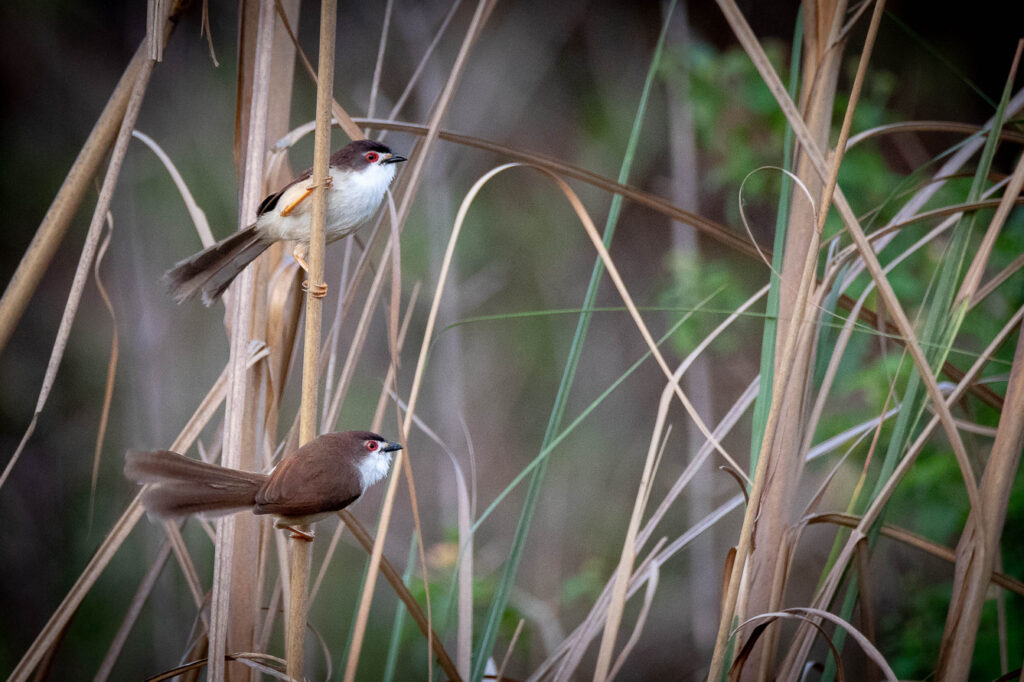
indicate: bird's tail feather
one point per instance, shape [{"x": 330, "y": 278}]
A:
[
  {"x": 210, "y": 271},
  {"x": 181, "y": 485}
]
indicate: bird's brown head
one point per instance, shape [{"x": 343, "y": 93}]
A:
[
  {"x": 369, "y": 452},
  {"x": 359, "y": 154}
]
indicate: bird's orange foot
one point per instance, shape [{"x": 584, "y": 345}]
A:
[
  {"x": 299, "y": 534},
  {"x": 299, "y": 254},
  {"x": 318, "y": 290}
]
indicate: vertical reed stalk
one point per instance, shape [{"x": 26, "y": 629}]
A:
[
  {"x": 302, "y": 549},
  {"x": 240, "y": 420}
]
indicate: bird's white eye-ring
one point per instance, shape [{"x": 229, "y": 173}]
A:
[
  {"x": 372, "y": 445},
  {"x": 371, "y": 157}
]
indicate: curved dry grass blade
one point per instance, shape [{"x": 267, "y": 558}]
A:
[
  {"x": 197, "y": 214},
  {"x": 803, "y": 613},
  {"x": 204, "y": 29},
  {"x": 88, "y": 253},
  {"x": 764, "y": 257},
  {"x": 716, "y": 231},
  {"x": 108, "y": 391},
  {"x": 968, "y": 129},
  {"x": 748, "y": 647},
  {"x": 911, "y": 539},
  {"x": 264, "y": 663}
]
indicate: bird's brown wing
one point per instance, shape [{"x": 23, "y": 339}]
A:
[
  {"x": 308, "y": 483},
  {"x": 292, "y": 194}
]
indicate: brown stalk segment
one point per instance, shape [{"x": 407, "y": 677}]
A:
[
  {"x": 972, "y": 574},
  {"x": 301, "y": 549}
]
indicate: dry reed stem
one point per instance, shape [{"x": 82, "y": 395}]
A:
[
  {"x": 830, "y": 585},
  {"x": 973, "y": 573},
  {"x": 870, "y": 259},
  {"x": 301, "y": 548},
  {"x": 892, "y": 304},
  {"x": 771, "y": 510},
  {"x": 792, "y": 368},
  {"x": 785, "y": 370},
  {"x": 240, "y": 420}
]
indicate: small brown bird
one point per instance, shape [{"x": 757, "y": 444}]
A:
[
  {"x": 323, "y": 476},
  {"x": 360, "y": 173}
]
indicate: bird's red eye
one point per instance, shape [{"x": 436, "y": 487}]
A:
[
  {"x": 372, "y": 157},
  {"x": 372, "y": 445}
]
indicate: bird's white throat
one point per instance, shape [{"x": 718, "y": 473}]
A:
[{"x": 374, "y": 467}]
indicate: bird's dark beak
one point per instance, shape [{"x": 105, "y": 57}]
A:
[
  {"x": 391, "y": 447},
  {"x": 394, "y": 158}
]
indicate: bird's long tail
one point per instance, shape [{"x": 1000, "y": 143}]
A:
[
  {"x": 209, "y": 272},
  {"x": 181, "y": 485}
]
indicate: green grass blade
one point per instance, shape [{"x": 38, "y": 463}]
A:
[
  {"x": 764, "y": 395},
  {"x": 490, "y": 631},
  {"x": 395, "y": 644}
]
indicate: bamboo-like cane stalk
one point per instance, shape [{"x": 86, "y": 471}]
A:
[
  {"x": 239, "y": 419},
  {"x": 301, "y": 548}
]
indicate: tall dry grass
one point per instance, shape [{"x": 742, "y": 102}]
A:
[{"x": 574, "y": 487}]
